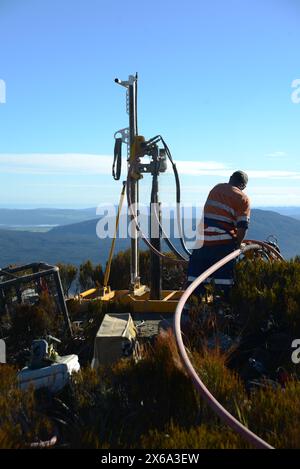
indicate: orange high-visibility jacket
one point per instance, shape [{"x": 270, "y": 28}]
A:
[{"x": 226, "y": 209}]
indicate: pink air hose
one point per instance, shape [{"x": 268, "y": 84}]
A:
[{"x": 224, "y": 415}]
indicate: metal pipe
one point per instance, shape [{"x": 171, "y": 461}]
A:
[
  {"x": 112, "y": 248},
  {"x": 134, "y": 185},
  {"x": 62, "y": 301},
  {"x": 31, "y": 266},
  {"x": 143, "y": 236},
  {"x": 155, "y": 261},
  {"x": 28, "y": 278}
]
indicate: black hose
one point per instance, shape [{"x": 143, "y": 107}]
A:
[
  {"x": 146, "y": 241},
  {"x": 117, "y": 164},
  {"x": 167, "y": 239},
  {"x": 178, "y": 197}
]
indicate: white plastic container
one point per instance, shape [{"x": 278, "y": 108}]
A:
[
  {"x": 116, "y": 334},
  {"x": 53, "y": 377}
]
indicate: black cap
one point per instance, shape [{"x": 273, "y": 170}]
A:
[{"x": 239, "y": 177}]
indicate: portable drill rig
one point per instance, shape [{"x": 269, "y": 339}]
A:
[{"x": 141, "y": 297}]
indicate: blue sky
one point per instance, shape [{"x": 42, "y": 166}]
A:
[{"x": 220, "y": 80}]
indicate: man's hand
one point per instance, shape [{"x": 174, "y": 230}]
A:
[{"x": 241, "y": 233}]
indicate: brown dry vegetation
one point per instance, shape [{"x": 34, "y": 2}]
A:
[{"x": 153, "y": 403}]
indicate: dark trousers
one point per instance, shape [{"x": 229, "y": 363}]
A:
[{"x": 203, "y": 258}]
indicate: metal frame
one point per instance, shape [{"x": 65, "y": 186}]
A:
[
  {"x": 128, "y": 136},
  {"x": 136, "y": 304},
  {"x": 39, "y": 270}
]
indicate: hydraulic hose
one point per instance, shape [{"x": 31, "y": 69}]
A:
[
  {"x": 224, "y": 415},
  {"x": 181, "y": 258},
  {"x": 178, "y": 201},
  {"x": 112, "y": 248},
  {"x": 178, "y": 197},
  {"x": 117, "y": 163},
  {"x": 265, "y": 246},
  {"x": 167, "y": 239},
  {"x": 143, "y": 236}
]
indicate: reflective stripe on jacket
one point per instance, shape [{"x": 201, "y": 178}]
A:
[{"x": 226, "y": 209}]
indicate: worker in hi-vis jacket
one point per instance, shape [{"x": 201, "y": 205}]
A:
[{"x": 226, "y": 220}]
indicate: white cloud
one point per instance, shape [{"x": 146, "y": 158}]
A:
[
  {"x": 277, "y": 154},
  {"x": 45, "y": 163},
  {"x": 266, "y": 186},
  {"x": 272, "y": 195},
  {"x": 91, "y": 164},
  {"x": 199, "y": 167},
  {"x": 66, "y": 163},
  {"x": 275, "y": 195},
  {"x": 253, "y": 174},
  {"x": 78, "y": 163},
  {"x": 273, "y": 174}
]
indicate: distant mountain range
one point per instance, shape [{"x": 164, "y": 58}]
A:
[
  {"x": 43, "y": 216},
  {"x": 77, "y": 242},
  {"x": 26, "y": 219},
  {"x": 293, "y": 212}
]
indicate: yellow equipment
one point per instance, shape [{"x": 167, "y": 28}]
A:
[{"x": 138, "y": 298}]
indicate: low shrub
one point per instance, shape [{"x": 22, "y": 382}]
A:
[{"x": 21, "y": 420}]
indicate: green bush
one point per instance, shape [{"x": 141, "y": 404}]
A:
[
  {"x": 265, "y": 291},
  {"x": 68, "y": 273},
  {"x": 29, "y": 322},
  {"x": 21, "y": 421},
  {"x": 199, "y": 437},
  {"x": 274, "y": 414},
  {"x": 173, "y": 274},
  {"x": 120, "y": 404},
  {"x": 153, "y": 403}
]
